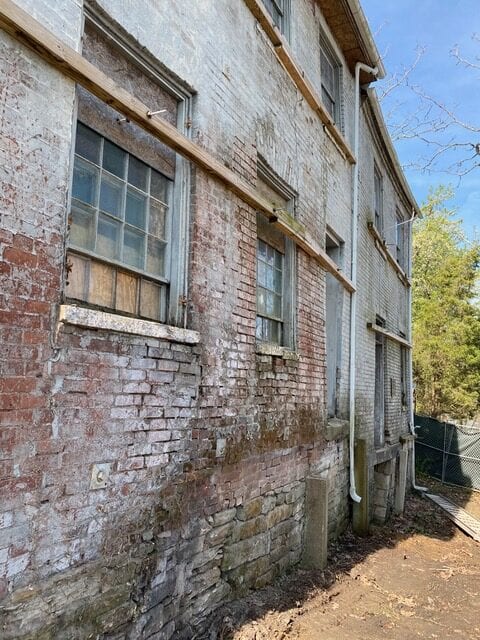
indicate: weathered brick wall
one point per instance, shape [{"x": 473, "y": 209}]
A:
[
  {"x": 206, "y": 446},
  {"x": 35, "y": 148},
  {"x": 380, "y": 292}
]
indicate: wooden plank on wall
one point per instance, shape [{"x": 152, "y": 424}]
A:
[{"x": 31, "y": 33}]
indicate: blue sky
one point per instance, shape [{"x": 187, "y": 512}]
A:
[{"x": 399, "y": 28}]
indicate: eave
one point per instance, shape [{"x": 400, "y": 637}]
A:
[{"x": 350, "y": 29}]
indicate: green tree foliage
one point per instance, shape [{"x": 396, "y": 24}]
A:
[{"x": 446, "y": 313}]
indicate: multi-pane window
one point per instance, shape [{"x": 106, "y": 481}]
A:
[
  {"x": 330, "y": 80},
  {"x": 275, "y": 268},
  {"x": 400, "y": 240},
  {"x": 278, "y": 9},
  {"x": 119, "y": 229},
  {"x": 378, "y": 199},
  {"x": 270, "y": 266}
]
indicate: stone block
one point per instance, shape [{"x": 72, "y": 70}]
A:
[
  {"x": 316, "y": 523},
  {"x": 245, "y": 551},
  {"x": 251, "y": 509}
]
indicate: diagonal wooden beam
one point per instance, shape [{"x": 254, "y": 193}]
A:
[{"x": 31, "y": 33}]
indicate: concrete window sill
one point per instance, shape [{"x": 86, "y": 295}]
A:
[
  {"x": 267, "y": 349},
  {"x": 94, "y": 319}
]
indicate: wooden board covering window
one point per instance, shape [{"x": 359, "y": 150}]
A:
[{"x": 107, "y": 287}]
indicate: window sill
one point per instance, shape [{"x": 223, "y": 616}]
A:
[
  {"x": 267, "y": 349},
  {"x": 386, "y": 253},
  {"x": 94, "y": 319}
]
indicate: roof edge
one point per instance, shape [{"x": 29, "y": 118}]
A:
[
  {"x": 366, "y": 36},
  {"x": 393, "y": 156}
]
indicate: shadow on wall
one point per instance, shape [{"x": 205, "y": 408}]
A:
[
  {"x": 421, "y": 517},
  {"x": 446, "y": 455}
]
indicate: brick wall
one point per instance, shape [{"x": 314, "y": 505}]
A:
[{"x": 204, "y": 445}]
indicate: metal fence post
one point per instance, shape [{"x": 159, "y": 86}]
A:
[{"x": 444, "y": 459}]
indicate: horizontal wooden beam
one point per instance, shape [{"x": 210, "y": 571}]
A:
[
  {"x": 298, "y": 76},
  {"x": 382, "y": 245},
  {"x": 388, "y": 334},
  {"x": 31, "y": 33}
]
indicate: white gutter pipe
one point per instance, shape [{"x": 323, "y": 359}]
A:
[
  {"x": 353, "y": 296},
  {"x": 410, "y": 359}
]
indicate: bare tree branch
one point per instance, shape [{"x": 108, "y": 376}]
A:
[{"x": 451, "y": 144}]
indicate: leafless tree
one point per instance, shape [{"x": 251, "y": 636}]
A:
[{"x": 451, "y": 144}]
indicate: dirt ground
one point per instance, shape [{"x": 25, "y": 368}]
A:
[{"x": 417, "y": 577}]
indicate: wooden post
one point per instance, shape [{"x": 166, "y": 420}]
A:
[
  {"x": 316, "y": 523},
  {"x": 360, "y": 515},
  {"x": 402, "y": 479}
]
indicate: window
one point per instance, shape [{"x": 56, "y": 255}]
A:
[
  {"x": 378, "y": 199},
  {"x": 120, "y": 214},
  {"x": 279, "y": 11},
  {"x": 333, "y": 324},
  {"x": 404, "y": 374},
  {"x": 270, "y": 276},
  {"x": 379, "y": 409},
  {"x": 400, "y": 232},
  {"x": 275, "y": 268},
  {"x": 330, "y": 79},
  {"x": 128, "y": 219}
]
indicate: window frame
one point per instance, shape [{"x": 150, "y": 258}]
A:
[
  {"x": 148, "y": 65},
  {"x": 378, "y": 199},
  {"x": 327, "y": 52},
  {"x": 280, "y": 12},
  {"x": 400, "y": 240},
  {"x": 380, "y": 377},
  {"x": 288, "y": 321},
  {"x": 404, "y": 374},
  {"x": 118, "y": 264},
  {"x": 334, "y": 301}
]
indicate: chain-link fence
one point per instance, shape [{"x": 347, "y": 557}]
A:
[{"x": 448, "y": 452}]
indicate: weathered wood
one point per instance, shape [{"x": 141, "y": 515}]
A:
[
  {"x": 298, "y": 76},
  {"x": 392, "y": 336},
  {"x": 459, "y": 516},
  {"x": 31, "y": 33},
  {"x": 402, "y": 479},
  {"x": 361, "y": 510},
  {"x": 388, "y": 254}
]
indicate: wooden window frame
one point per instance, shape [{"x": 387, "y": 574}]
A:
[
  {"x": 280, "y": 11},
  {"x": 139, "y": 279},
  {"x": 175, "y": 303},
  {"x": 334, "y": 93},
  {"x": 286, "y": 195},
  {"x": 400, "y": 240},
  {"x": 378, "y": 199},
  {"x": 404, "y": 380}
]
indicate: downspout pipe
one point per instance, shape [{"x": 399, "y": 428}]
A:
[
  {"x": 410, "y": 361},
  {"x": 353, "y": 296}
]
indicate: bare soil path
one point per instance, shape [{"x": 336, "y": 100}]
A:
[{"x": 417, "y": 577}]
